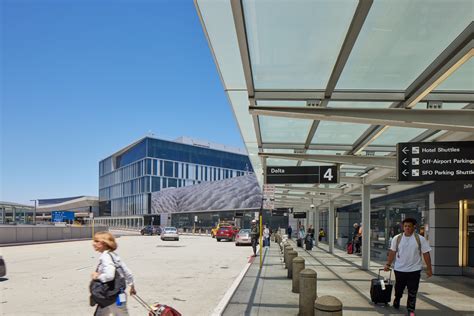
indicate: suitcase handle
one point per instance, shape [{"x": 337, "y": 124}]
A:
[{"x": 390, "y": 276}]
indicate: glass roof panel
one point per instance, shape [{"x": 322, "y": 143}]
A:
[
  {"x": 280, "y": 162},
  {"x": 396, "y": 134},
  {"x": 283, "y": 130},
  {"x": 283, "y": 60},
  {"x": 350, "y": 104},
  {"x": 219, "y": 22},
  {"x": 400, "y": 39},
  {"x": 315, "y": 163},
  {"x": 462, "y": 78},
  {"x": 274, "y": 150},
  {"x": 239, "y": 103},
  {"x": 329, "y": 132},
  {"x": 281, "y": 103}
]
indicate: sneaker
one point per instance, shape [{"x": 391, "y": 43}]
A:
[
  {"x": 411, "y": 313},
  {"x": 396, "y": 303}
]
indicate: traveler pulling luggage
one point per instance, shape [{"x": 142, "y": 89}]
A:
[
  {"x": 381, "y": 289},
  {"x": 157, "y": 309}
]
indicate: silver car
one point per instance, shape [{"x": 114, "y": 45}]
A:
[
  {"x": 243, "y": 237},
  {"x": 169, "y": 233}
]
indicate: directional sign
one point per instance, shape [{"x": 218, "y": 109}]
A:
[
  {"x": 435, "y": 161},
  {"x": 268, "y": 196},
  {"x": 316, "y": 174}
]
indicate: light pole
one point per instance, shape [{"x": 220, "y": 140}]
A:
[{"x": 34, "y": 213}]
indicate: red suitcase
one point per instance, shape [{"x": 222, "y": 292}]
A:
[
  {"x": 157, "y": 309},
  {"x": 350, "y": 248}
]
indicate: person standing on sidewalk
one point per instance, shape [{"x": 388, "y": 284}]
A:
[
  {"x": 254, "y": 234},
  {"x": 266, "y": 236},
  {"x": 289, "y": 231},
  {"x": 407, "y": 249}
]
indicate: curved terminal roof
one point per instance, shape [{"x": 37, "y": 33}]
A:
[{"x": 342, "y": 82}]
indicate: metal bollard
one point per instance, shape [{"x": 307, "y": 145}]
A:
[
  {"x": 307, "y": 292},
  {"x": 285, "y": 255},
  {"x": 289, "y": 258},
  {"x": 298, "y": 266},
  {"x": 327, "y": 306}
]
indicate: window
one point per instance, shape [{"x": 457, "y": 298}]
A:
[{"x": 168, "y": 169}]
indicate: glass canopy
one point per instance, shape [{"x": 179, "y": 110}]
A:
[{"x": 310, "y": 55}]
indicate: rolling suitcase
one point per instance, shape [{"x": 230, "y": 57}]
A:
[
  {"x": 299, "y": 242},
  {"x": 157, "y": 309},
  {"x": 308, "y": 242},
  {"x": 381, "y": 289},
  {"x": 350, "y": 248}
]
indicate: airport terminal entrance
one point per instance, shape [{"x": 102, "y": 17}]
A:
[{"x": 466, "y": 210}]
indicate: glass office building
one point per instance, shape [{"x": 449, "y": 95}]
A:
[{"x": 128, "y": 177}]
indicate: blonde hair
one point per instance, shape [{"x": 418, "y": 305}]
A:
[{"x": 107, "y": 239}]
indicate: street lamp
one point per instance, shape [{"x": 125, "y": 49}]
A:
[{"x": 34, "y": 213}]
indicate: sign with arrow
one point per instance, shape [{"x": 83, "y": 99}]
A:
[{"x": 440, "y": 161}]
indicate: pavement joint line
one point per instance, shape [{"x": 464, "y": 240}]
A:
[
  {"x": 230, "y": 292},
  {"x": 441, "y": 307}
]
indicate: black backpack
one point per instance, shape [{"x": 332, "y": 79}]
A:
[{"x": 106, "y": 293}]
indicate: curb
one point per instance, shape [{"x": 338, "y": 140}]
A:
[{"x": 230, "y": 292}]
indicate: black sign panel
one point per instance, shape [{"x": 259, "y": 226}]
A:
[
  {"x": 448, "y": 192},
  {"x": 313, "y": 174},
  {"x": 281, "y": 212},
  {"x": 299, "y": 215},
  {"x": 435, "y": 161}
]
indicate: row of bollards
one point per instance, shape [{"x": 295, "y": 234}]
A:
[{"x": 304, "y": 282}]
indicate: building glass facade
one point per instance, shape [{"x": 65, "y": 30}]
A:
[{"x": 127, "y": 178}]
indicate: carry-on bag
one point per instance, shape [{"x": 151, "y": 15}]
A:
[
  {"x": 157, "y": 309},
  {"x": 350, "y": 248},
  {"x": 381, "y": 289},
  {"x": 299, "y": 242}
]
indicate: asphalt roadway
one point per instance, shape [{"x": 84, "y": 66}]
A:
[{"x": 191, "y": 275}]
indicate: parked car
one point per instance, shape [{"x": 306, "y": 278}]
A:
[
  {"x": 225, "y": 232},
  {"x": 215, "y": 229},
  {"x": 243, "y": 237},
  {"x": 3, "y": 269},
  {"x": 170, "y": 233},
  {"x": 151, "y": 230}
]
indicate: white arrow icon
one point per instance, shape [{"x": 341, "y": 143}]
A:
[
  {"x": 405, "y": 150},
  {"x": 405, "y": 172},
  {"x": 405, "y": 161}
]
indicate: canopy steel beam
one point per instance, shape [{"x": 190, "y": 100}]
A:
[
  {"x": 453, "y": 57},
  {"x": 309, "y": 189},
  {"x": 239, "y": 22},
  {"x": 319, "y": 146},
  {"x": 459, "y": 120},
  {"x": 361, "y": 95},
  {"x": 384, "y": 162},
  {"x": 355, "y": 27}
]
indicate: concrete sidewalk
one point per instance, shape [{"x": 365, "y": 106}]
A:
[{"x": 268, "y": 291}]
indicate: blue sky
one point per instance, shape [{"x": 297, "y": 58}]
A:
[{"x": 82, "y": 79}]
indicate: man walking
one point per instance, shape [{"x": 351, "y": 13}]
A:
[
  {"x": 407, "y": 249},
  {"x": 289, "y": 231},
  {"x": 254, "y": 234}
]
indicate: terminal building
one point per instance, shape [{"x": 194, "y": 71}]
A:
[{"x": 129, "y": 177}]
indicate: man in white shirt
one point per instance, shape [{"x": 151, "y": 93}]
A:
[{"x": 407, "y": 249}]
